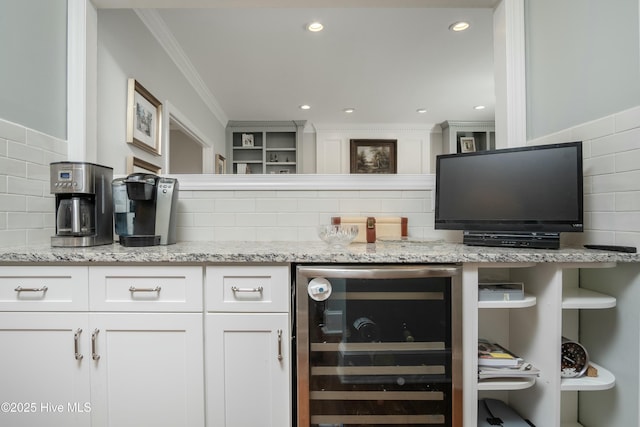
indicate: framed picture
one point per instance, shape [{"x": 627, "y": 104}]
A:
[
  {"x": 144, "y": 118},
  {"x": 221, "y": 164},
  {"x": 135, "y": 165},
  {"x": 467, "y": 144},
  {"x": 373, "y": 155},
  {"x": 247, "y": 140}
]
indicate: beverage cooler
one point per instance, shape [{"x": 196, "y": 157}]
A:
[{"x": 378, "y": 345}]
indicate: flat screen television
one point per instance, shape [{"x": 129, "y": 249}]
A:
[{"x": 515, "y": 197}]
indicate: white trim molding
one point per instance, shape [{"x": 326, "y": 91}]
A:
[
  {"x": 156, "y": 25},
  {"x": 304, "y": 182}
]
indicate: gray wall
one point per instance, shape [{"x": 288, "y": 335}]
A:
[
  {"x": 126, "y": 49},
  {"x": 33, "y": 70},
  {"x": 583, "y": 61}
]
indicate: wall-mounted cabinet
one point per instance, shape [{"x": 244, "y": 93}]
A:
[
  {"x": 264, "y": 147},
  {"x": 461, "y": 137}
]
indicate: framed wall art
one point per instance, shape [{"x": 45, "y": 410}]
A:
[
  {"x": 135, "y": 165},
  {"x": 467, "y": 144},
  {"x": 144, "y": 118},
  {"x": 373, "y": 155},
  {"x": 221, "y": 164}
]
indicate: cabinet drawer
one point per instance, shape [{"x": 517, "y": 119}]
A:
[
  {"x": 247, "y": 289},
  {"x": 44, "y": 289},
  {"x": 120, "y": 288}
]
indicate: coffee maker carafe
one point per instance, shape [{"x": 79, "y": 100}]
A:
[
  {"x": 83, "y": 204},
  {"x": 145, "y": 208}
]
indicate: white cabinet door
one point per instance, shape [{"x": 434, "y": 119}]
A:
[
  {"x": 147, "y": 370},
  {"x": 43, "y": 381},
  {"x": 248, "y": 370}
]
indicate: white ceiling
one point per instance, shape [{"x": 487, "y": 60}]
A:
[{"x": 259, "y": 63}]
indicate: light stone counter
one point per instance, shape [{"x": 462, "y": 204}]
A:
[{"x": 304, "y": 252}]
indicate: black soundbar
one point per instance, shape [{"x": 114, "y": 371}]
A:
[{"x": 533, "y": 240}]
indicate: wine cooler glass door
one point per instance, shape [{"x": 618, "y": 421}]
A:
[{"x": 375, "y": 346}]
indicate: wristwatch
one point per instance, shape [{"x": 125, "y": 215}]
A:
[{"x": 574, "y": 359}]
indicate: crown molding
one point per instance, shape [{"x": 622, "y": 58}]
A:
[
  {"x": 377, "y": 127},
  {"x": 158, "y": 28}
]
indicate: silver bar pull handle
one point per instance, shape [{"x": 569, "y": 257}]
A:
[
  {"x": 21, "y": 289},
  {"x": 134, "y": 289},
  {"x": 237, "y": 289},
  {"x": 94, "y": 335},
  {"x": 279, "y": 344},
  {"x": 76, "y": 345}
]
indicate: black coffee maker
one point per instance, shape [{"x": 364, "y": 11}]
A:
[{"x": 145, "y": 208}]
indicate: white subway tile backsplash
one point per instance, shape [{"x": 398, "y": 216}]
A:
[
  {"x": 627, "y": 201},
  {"x": 41, "y": 204},
  {"x": 264, "y": 204},
  {"x": 599, "y": 165},
  {"x": 196, "y": 205},
  {"x": 229, "y": 234},
  {"x": 627, "y": 161},
  {"x": 602, "y": 202},
  {"x": 13, "y": 202},
  {"x": 257, "y": 219},
  {"x": 39, "y": 236},
  {"x": 13, "y": 167},
  {"x": 38, "y": 172},
  {"x": 623, "y": 181},
  {"x": 301, "y": 219},
  {"x": 20, "y": 151},
  {"x": 276, "y": 234},
  {"x": 194, "y": 234},
  {"x": 12, "y": 131},
  {"x": 367, "y": 207},
  {"x": 13, "y": 238},
  {"x": 25, "y": 186},
  {"x": 593, "y": 129},
  {"x": 46, "y": 142},
  {"x": 628, "y": 119},
  {"x": 234, "y": 205},
  {"x": 3, "y": 147},
  {"x": 24, "y": 220},
  {"x": 319, "y": 205}
]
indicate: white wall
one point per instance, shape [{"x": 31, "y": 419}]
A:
[
  {"x": 127, "y": 49},
  {"x": 413, "y": 147},
  {"x": 33, "y": 74}
]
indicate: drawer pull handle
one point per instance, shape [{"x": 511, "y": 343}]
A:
[
  {"x": 237, "y": 289},
  {"x": 94, "y": 335},
  {"x": 134, "y": 289},
  {"x": 21, "y": 289},
  {"x": 76, "y": 349},
  {"x": 279, "y": 344}
]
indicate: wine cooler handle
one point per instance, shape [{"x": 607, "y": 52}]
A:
[
  {"x": 279, "y": 344},
  {"x": 76, "y": 345},
  {"x": 94, "y": 335}
]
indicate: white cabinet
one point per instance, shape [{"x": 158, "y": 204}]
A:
[
  {"x": 44, "y": 382},
  {"x": 248, "y": 369},
  {"x": 247, "y": 346},
  {"x": 121, "y": 358},
  {"x": 147, "y": 369}
]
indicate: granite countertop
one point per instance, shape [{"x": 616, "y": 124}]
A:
[{"x": 309, "y": 252}]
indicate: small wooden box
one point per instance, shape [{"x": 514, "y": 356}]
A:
[{"x": 372, "y": 228}]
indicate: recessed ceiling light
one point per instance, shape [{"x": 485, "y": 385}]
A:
[
  {"x": 305, "y": 107},
  {"x": 479, "y": 107},
  {"x": 314, "y": 27},
  {"x": 421, "y": 110},
  {"x": 349, "y": 110},
  {"x": 459, "y": 26}
]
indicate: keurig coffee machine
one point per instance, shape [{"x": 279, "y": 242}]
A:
[
  {"x": 145, "y": 208},
  {"x": 83, "y": 204}
]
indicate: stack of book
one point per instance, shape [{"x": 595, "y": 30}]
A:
[{"x": 495, "y": 361}]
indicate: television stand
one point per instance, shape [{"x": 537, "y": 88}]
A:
[{"x": 512, "y": 239}]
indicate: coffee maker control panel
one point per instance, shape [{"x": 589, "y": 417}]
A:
[{"x": 67, "y": 179}]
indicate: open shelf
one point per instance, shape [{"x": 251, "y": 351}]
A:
[
  {"x": 527, "y": 301},
  {"x": 604, "y": 381},
  {"x": 578, "y": 298},
  {"x": 505, "y": 384}
]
